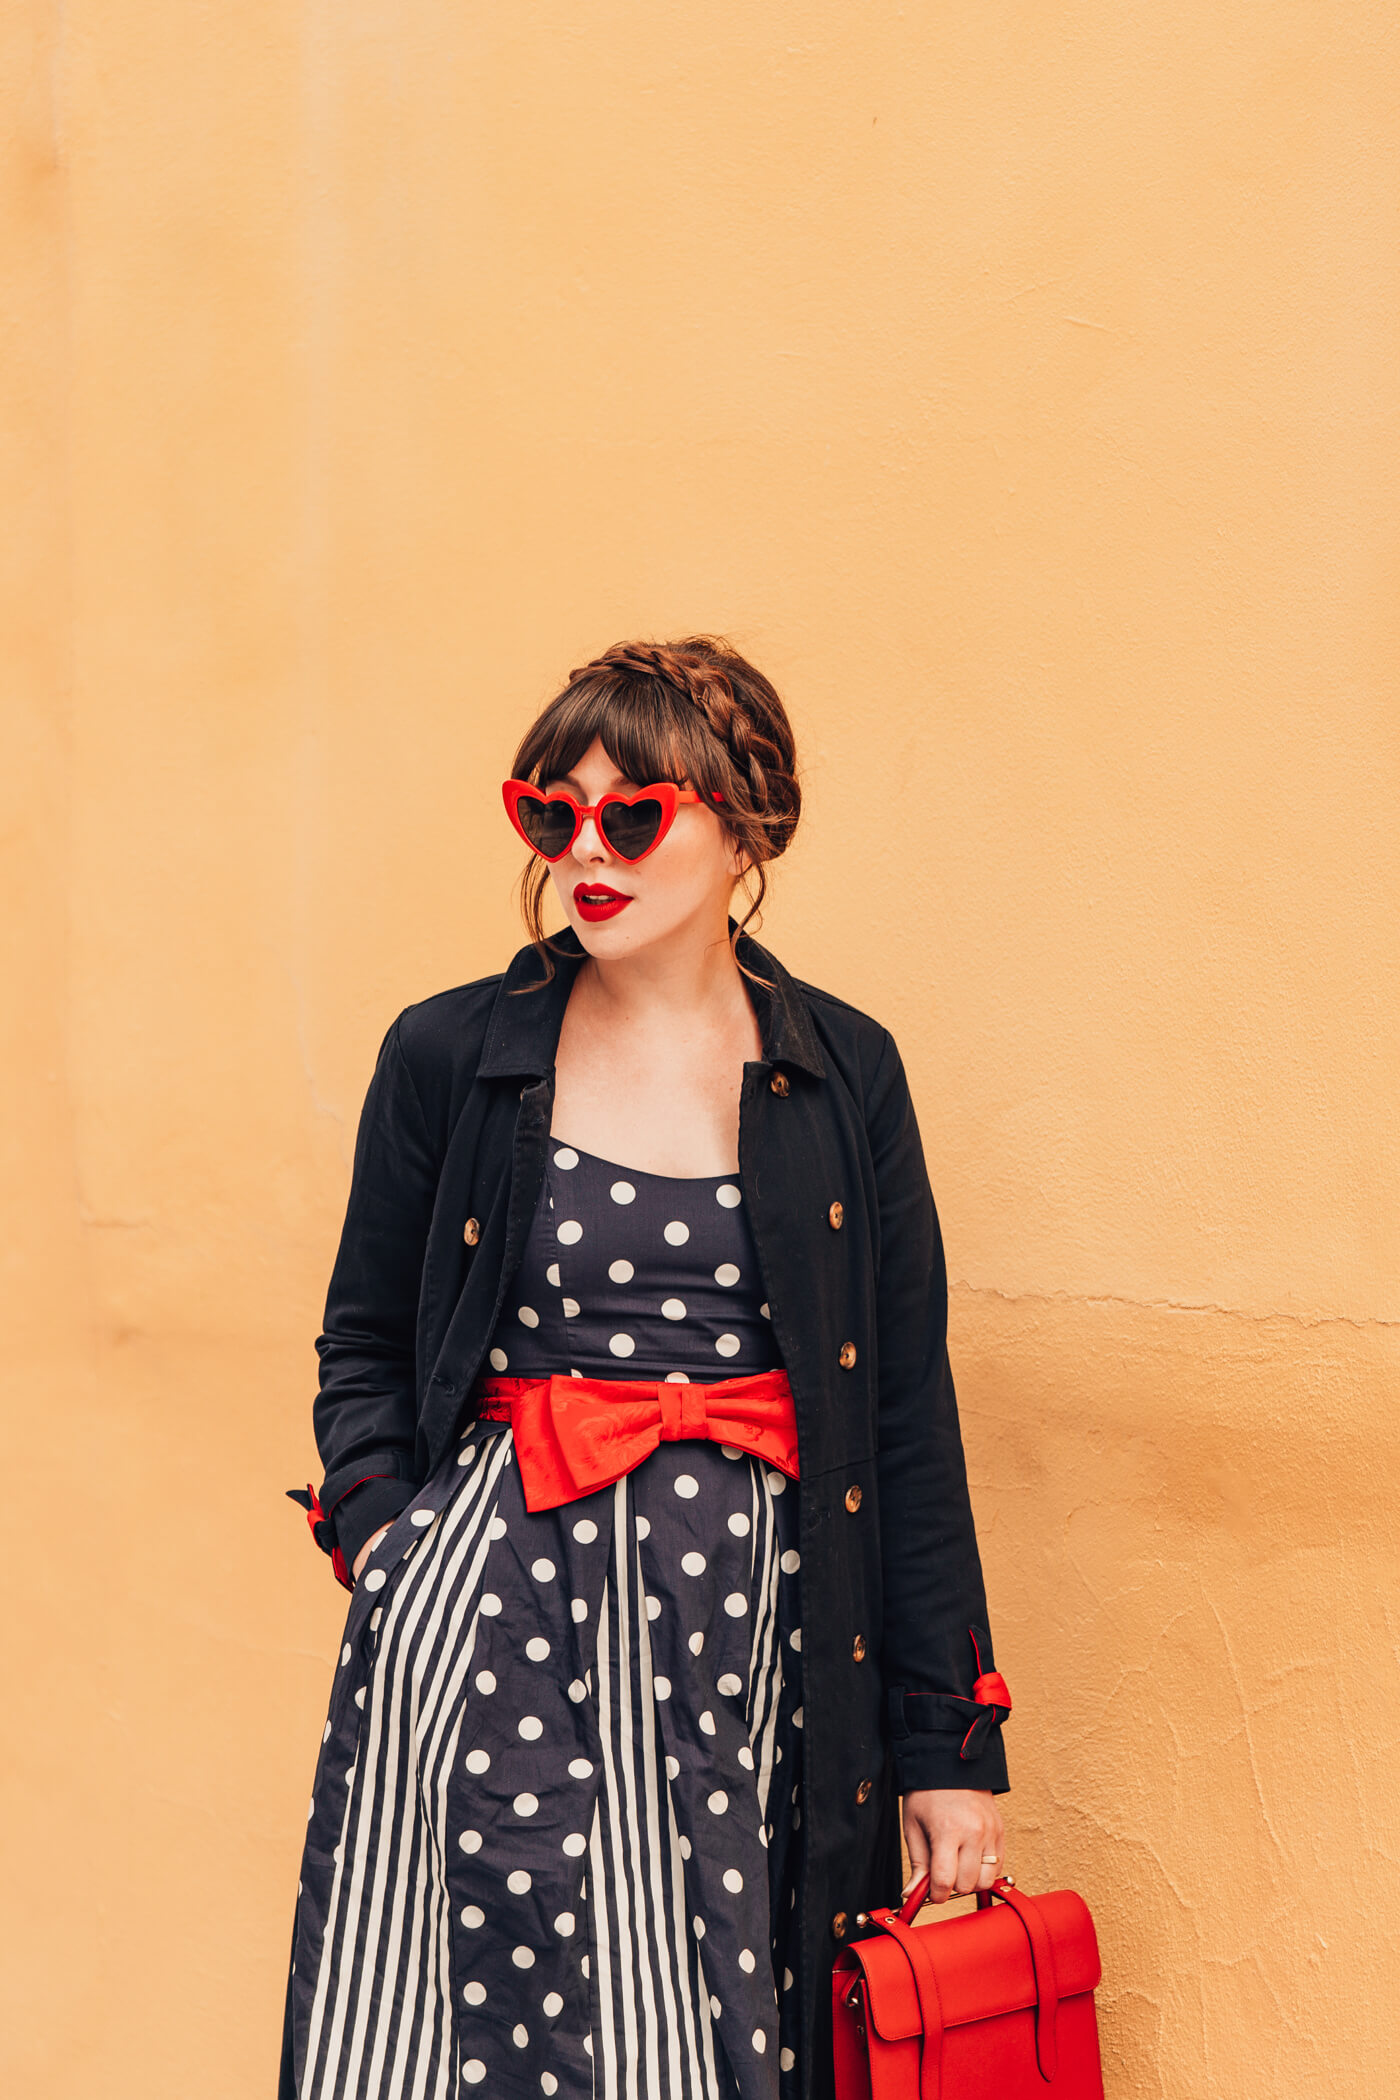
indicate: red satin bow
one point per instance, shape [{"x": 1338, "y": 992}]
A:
[{"x": 576, "y": 1435}]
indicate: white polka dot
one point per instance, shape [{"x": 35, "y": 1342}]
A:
[
  {"x": 797, "y": 1717},
  {"x": 523, "y": 1957},
  {"x": 736, "y": 1604},
  {"x": 673, "y": 1768},
  {"x": 542, "y": 1570},
  {"x": 566, "y": 1924},
  {"x": 470, "y": 1841},
  {"x": 497, "y": 1528},
  {"x": 677, "y": 1378},
  {"x": 489, "y": 1604},
  {"x": 474, "y": 1993},
  {"x": 578, "y": 1611},
  {"x": 733, "y": 1880},
  {"x": 422, "y": 1517},
  {"x": 478, "y": 1761},
  {"x": 569, "y": 1233},
  {"x": 572, "y": 1308},
  {"x": 621, "y": 1271},
  {"x": 739, "y": 1524},
  {"x": 728, "y": 1684},
  {"x": 551, "y": 1274},
  {"x": 519, "y": 1882},
  {"x": 575, "y": 1845},
  {"x": 623, "y": 1192},
  {"x": 787, "y": 2059},
  {"x": 729, "y": 1451},
  {"x": 550, "y": 2084},
  {"x": 653, "y": 1607},
  {"x": 567, "y": 1158},
  {"x": 760, "y": 2041},
  {"x": 795, "y": 1640},
  {"x": 585, "y": 1531},
  {"x": 499, "y": 1361},
  {"x": 661, "y": 1686},
  {"x": 374, "y": 1618},
  {"x": 746, "y": 1960},
  {"x": 588, "y": 2039},
  {"x": 676, "y": 1233},
  {"x": 312, "y": 1809},
  {"x": 718, "y": 1802},
  {"x": 693, "y": 1563},
  {"x": 466, "y": 1454},
  {"x": 527, "y": 1316},
  {"x": 777, "y": 1483},
  {"x": 580, "y": 1768},
  {"x": 687, "y": 1485},
  {"x": 349, "y": 1774},
  {"x": 525, "y": 1804},
  {"x": 684, "y": 1845},
  {"x": 706, "y": 1723},
  {"x": 745, "y": 1756},
  {"x": 673, "y": 1308},
  {"x": 621, "y": 1344},
  {"x": 530, "y": 1728},
  {"x": 553, "y": 2005},
  {"x": 537, "y": 1649},
  {"x": 791, "y": 1561},
  {"x": 696, "y": 1643},
  {"x": 360, "y": 1696},
  {"x": 766, "y": 1311},
  {"x": 473, "y": 2070},
  {"x": 698, "y": 1927},
  {"x": 326, "y": 1734},
  {"x": 644, "y": 1527},
  {"x": 486, "y": 1682},
  {"x": 787, "y": 1979},
  {"x": 727, "y": 1274},
  {"x": 727, "y": 1344},
  {"x": 473, "y": 1917},
  {"x": 715, "y": 2007},
  {"x": 376, "y": 1579},
  {"x": 519, "y": 2034},
  {"x": 728, "y": 1195},
  {"x": 578, "y": 1690}
]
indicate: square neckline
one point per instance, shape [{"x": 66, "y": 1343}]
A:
[{"x": 618, "y": 1166}]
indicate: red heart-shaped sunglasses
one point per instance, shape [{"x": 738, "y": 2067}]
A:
[{"x": 631, "y": 825}]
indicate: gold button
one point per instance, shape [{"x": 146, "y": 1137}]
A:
[
  {"x": 847, "y": 1355},
  {"x": 858, "y": 1648},
  {"x": 853, "y": 1499},
  {"x": 863, "y": 1792},
  {"x": 834, "y": 1217},
  {"x": 840, "y": 1925},
  {"x": 779, "y": 1083},
  {"x": 471, "y": 1232}
]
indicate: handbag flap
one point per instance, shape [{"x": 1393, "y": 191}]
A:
[{"x": 983, "y": 1964}]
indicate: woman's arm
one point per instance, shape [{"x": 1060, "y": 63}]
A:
[
  {"x": 366, "y": 1412},
  {"x": 936, "y": 1656}
]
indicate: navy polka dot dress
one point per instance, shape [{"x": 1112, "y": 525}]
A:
[{"x": 552, "y": 1847}]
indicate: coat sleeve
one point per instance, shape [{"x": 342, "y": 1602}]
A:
[
  {"x": 946, "y": 1702},
  {"x": 365, "y": 1414}
]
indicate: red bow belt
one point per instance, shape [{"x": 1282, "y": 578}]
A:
[{"x": 576, "y": 1435}]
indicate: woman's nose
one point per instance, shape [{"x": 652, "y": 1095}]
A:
[{"x": 590, "y": 843}]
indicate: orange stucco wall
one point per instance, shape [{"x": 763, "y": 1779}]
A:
[{"x": 1019, "y": 386}]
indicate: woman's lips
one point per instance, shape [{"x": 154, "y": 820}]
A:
[{"x": 594, "y": 901}]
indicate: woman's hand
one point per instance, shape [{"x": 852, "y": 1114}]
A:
[
  {"x": 956, "y": 1837},
  {"x": 365, "y": 1551}
]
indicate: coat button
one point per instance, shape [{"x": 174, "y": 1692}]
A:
[
  {"x": 779, "y": 1083},
  {"x": 846, "y": 1356},
  {"x": 853, "y": 1499},
  {"x": 471, "y": 1231},
  {"x": 858, "y": 1648},
  {"x": 834, "y": 1217},
  {"x": 863, "y": 1792},
  {"x": 840, "y": 1925}
]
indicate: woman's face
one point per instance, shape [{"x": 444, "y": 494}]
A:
[{"x": 682, "y": 885}]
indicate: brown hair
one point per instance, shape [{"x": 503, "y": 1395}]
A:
[{"x": 694, "y": 712}]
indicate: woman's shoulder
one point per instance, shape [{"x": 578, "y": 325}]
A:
[
  {"x": 440, "y": 1038},
  {"x": 860, "y": 1046}
]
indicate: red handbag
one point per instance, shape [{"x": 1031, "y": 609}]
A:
[{"x": 995, "y": 2005}]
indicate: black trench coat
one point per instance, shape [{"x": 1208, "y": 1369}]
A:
[{"x": 449, "y": 1162}]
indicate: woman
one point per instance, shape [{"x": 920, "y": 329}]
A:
[{"x": 643, "y": 1458}]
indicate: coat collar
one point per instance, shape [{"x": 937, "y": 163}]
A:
[{"x": 523, "y": 1032}]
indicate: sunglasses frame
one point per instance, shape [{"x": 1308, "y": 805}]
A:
[{"x": 513, "y": 792}]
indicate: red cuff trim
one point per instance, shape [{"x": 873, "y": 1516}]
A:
[
  {"x": 990, "y": 1690},
  {"x": 316, "y": 1515}
]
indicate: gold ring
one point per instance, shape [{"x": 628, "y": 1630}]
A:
[{"x": 991, "y": 1859}]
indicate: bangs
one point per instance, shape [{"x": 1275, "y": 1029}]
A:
[{"x": 647, "y": 729}]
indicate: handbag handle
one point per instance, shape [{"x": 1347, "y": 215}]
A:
[{"x": 1047, "y": 1986}]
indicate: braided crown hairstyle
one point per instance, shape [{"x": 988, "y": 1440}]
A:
[{"x": 694, "y": 712}]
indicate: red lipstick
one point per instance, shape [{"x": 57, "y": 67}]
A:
[{"x": 594, "y": 901}]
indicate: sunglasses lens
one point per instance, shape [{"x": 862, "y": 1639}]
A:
[
  {"x": 631, "y": 828},
  {"x": 549, "y": 826}
]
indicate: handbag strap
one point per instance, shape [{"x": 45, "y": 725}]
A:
[{"x": 930, "y": 2002}]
